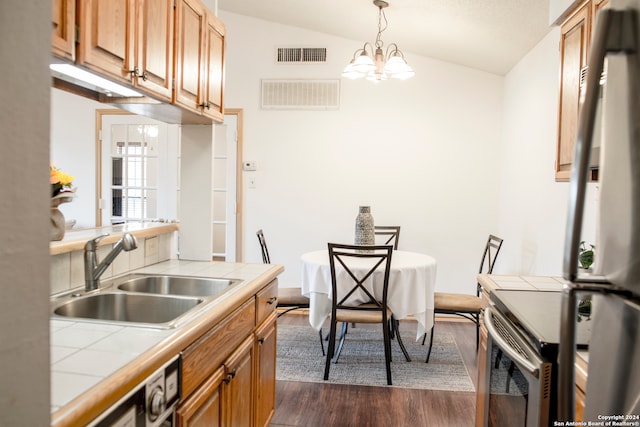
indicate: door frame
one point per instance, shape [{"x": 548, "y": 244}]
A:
[
  {"x": 238, "y": 112},
  {"x": 98, "y": 148}
]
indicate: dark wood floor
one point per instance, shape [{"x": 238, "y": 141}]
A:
[{"x": 317, "y": 404}]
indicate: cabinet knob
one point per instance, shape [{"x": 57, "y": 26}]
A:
[
  {"x": 272, "y": 300},
  {"x": 206, "y": 105},
  {"x": 261, "y": 340}
]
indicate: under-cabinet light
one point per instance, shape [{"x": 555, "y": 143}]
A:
[{"x": 99, "y": 83}]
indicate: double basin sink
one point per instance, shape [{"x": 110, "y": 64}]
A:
[{"x": 158, "y": 301}]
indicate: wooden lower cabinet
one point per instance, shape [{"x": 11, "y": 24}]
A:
[
  {"x": 266, "y": 371},
  {"x": 481, "y": 392},
  {"x": 204, "y": 407},
  {"x": 238, "y": 385}
]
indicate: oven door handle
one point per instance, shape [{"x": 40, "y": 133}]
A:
[{"x": 526, "y": 364}]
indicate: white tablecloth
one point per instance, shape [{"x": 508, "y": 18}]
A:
[{"x": 411, "y": 285}]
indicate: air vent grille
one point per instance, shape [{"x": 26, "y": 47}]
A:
[
  {"x": 301, "y": 94},
  {"x": 301, "y": 54}
]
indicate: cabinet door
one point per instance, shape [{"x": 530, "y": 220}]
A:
[
  {"x": 63, "y": 38},
  {"x": 238, "y": 388},
  {"x": 154, "y": 50},
  {"x": 204, "y": 407},
  {"x": 266, "y": 371},
  {"x": 190, "y": 37},
  {"x": 574, "y": 44},
  {"x": 214, "y": 69},
  {"x": 482, "y": 380},
  {"x": 107, "y": 37}
]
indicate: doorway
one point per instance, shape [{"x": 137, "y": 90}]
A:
[{"x": 156, "y": 195}]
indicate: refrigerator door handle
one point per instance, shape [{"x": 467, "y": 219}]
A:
[{"x": 582, "y": 150}]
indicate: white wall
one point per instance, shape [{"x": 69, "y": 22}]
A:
[
  {"x": 424, "y": 153},
  {"x": 533, "y": 207},
  {"x": 73, "y": 149}
]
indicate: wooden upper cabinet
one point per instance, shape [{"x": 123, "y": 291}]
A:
[
  {"x": 130, "y": 41},
  {"x": 200, "y": 41},
  {"x": 63, "y": 37},
  {"x": 214, "y": 75},
  {"x": 190, "y": 31},
  {"x": 574, "y": 45},
  {"x": 154, "y": 47},
  {"x": 106, "y": 37}
]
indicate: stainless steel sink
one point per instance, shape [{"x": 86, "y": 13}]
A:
[
  {"x": 177, "y": 285},
  {"x": 124, "y": 307}
]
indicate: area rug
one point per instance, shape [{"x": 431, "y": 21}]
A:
[{"x": 299, "y": 358}]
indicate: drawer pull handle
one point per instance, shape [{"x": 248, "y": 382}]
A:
[
  {"x": 260, "y": 341},
  {"x": 272, "y": 300},
  {"x": 230, "y": 376}
]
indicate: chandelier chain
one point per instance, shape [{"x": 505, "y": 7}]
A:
[{"x": 381, "y": 16}]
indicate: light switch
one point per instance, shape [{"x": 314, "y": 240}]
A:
[{"x": 251, "y": 182}]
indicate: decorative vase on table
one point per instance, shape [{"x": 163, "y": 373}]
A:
[{"x": 365, "y": 234}]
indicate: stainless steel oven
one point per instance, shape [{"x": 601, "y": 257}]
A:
[
  {"x": 521, "y": 368},
  {"x": 150, "y": 404}
]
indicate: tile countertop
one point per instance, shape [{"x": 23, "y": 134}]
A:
[
  {"x": 540, "y": 283},
  {"x": 524, "y": 283},
  {"x": 74, "y": 240},
  {"x": 85, "y": 353}
]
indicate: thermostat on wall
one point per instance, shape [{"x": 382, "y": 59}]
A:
[{"x": 249, "y": 166}]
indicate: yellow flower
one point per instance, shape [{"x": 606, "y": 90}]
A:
[{"x": 59, "y": 181}]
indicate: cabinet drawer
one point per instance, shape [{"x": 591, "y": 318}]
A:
[
  {"x": 266, "y": 301},
  {"x": 204, "y": 356}
]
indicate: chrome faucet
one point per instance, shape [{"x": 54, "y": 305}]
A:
[{"x": 93, "y": 270}]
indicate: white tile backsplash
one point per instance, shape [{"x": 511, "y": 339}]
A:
[
  {"x": 60, "y": 272},
  {"x": 151, "y": 250},
  {"x": 77, "y": 269}
]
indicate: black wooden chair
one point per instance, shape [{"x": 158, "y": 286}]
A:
[
  {"x": 373, "y": 310},
  {"x": 288, "y": 298},
  {"x": 467, "y": 306},
  {"x": 389, "y": 234}
]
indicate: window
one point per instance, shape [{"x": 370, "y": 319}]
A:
[{"x": 134, "y": 172}]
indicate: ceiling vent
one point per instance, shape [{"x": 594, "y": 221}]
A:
[
  {"x": 301, "y": 94},
  {"x": 301, "y": 54}
]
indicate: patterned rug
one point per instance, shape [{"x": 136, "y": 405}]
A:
[{"x": 299, "y": 358}]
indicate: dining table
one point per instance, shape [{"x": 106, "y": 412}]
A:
[{"x": 411, "y": 285}]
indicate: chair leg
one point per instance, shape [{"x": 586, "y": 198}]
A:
[
  {"x": 509, "y": 375},
  {"x": 345, "y": 326},
  {"x": 387, "y": 351},
  {"x": 330, "y": 349},
  {"x": 477, "y": 331},
  {"x": 321, "y": 343},
  {"x": 395, "y": 330},
  {"x": 430, "y": 344}
]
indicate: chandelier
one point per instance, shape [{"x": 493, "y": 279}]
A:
[{"x": 375, "y": 64}]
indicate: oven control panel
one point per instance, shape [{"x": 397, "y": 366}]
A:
[{"x": 150, "y": 404}]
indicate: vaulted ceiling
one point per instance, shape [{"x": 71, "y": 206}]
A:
[{"x": 490, "y": 35}]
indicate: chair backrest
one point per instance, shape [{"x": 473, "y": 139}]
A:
[
  {"x": 491, "y": 250},
  {"x": 390, "y": 234},
  {"x": 345, "y": 256},
  {"x": 263, "y": 247}
]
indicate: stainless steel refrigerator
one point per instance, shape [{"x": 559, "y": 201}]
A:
[{"x": 613, "y": 102}]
